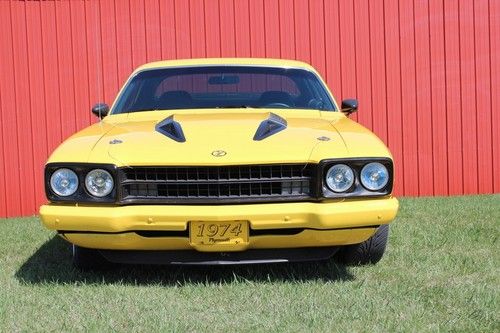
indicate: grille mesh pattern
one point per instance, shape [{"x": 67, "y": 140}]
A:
[{"x": 241, "y": 183}]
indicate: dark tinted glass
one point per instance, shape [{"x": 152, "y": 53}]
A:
[{"x": 223, "y": 87}]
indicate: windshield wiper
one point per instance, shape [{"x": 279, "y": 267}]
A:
[
  {"x": 237, "y": 107},
  {"x": 140, "y": 110}
]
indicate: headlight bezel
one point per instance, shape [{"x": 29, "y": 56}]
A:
[
  {"x": 357, "y": 189},
  {"x": 81, "y": 195}
]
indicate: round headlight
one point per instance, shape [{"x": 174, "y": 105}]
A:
[
  {"x": 374, "y": 176},
  {"x": 99, "y": 183},
  {"x": 339, "y": 178},
  {"x": 64, "y": 182}
]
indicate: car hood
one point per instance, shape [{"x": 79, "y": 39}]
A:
[{"x": 133, "y": 139}]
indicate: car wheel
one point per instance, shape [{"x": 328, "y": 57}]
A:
[
  {"x": 88, "y": 259},
  {"x": 368, "y": 252}
]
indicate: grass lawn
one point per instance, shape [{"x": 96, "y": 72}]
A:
[{"x": 441, "y": 272}]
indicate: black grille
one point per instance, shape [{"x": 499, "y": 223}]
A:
[{"x": 216, "y": 183}]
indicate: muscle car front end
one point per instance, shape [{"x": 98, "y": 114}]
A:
[{"x": 222, "y": 161}]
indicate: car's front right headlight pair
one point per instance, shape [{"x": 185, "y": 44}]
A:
[{"x": 341, "y": 177}]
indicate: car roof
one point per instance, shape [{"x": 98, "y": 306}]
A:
[{"x": 226, "y": 61}]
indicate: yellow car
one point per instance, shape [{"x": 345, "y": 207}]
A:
[{"x": 222, "y": 161}]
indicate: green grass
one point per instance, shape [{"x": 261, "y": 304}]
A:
[{"x": 440, "y": 273}]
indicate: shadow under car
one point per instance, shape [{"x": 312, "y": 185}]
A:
[{"x": 51, "y": 263}]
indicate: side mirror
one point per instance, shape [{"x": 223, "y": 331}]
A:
[
  {"x": 100, "y": 110},
  {"x": 349, "y": 106}
]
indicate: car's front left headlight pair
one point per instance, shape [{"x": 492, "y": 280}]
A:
[
  {"x": 64, "y": 182},
  {"x": 341, "y": 178}
]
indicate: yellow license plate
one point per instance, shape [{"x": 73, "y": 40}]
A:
[{"x": 218, "y": 233}]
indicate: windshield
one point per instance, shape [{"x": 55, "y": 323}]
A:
[{"x": 223, "y": 87}]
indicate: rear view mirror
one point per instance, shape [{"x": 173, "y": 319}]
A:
[
  {"x": 349, "y": 106},
  {"x": 100, "y": 110},
  {"x": 224, "y": 79}
]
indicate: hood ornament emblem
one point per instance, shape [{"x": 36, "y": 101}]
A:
[
  {"x": 115, "y": 141},
  {"x": 219, "y": 153},
  {"x": 323, "y": 138}
]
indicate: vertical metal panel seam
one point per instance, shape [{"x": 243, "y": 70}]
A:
[
  {"x": 326, "y": 74},
  {"x": 355, "y": 63},
  {"x": 73, "y": 69},
  {"x": 117, "y": 88},
  {"x": 233, "y": 9},
  {"x": 220, "y": 30},
  {"x": 61, "y": 136},
  {"x": 461, "y": 107},
  {"x": 491, "y": 106},
  {"x": 265, "y": 30},
  {"x": 162, "y": 54},
  {"x": 30, "y": 113},
  {"x": 89, "y": 83},
  {"x": 3, "y": 209},
  {"x": 191, "y": 34},
  {"x": 15, "y": 96},
  {"x": 340, "y": 51},
  {"x": 175, "y": 35},
  {"x": 205, "y": 26},
  {"x": 476, "y": 98},
  {"x": 294, "y": 25},
  {"x": 279, "y": 30},
  {"x": 309, "y": 30},
  {"x": 419, "y": 191},
  {"x": 430, "y": 82},
  {"x": 385, "y": 74},
  {"x": 44, "y": 95},
  {"x": 159, "y": 31},
  {"x": 100, "y": 50},
  {"x": 189, "y": 29},
  {"x": 131, "y": 33},
  {"x": 445, "y": 97},
  {"x": 294, "y": 32},
  {"x": 494, "y": 175},
  {"x": 250, "y": 32},
  {"x": 401, "y": 179},
  {"x": 143, "y": 3},
  {"x": 370, "y": 65}
]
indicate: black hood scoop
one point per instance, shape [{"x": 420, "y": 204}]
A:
[
  {"x": 172, "y": 129},
  {"x": 270, "y": 126}
]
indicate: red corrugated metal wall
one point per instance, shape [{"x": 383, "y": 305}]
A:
[{"x": 426, "y": 72}]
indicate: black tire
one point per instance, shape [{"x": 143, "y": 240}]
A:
[
  {"x": 88, "y": 259},
  {"x": 368, "y": 252}
]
